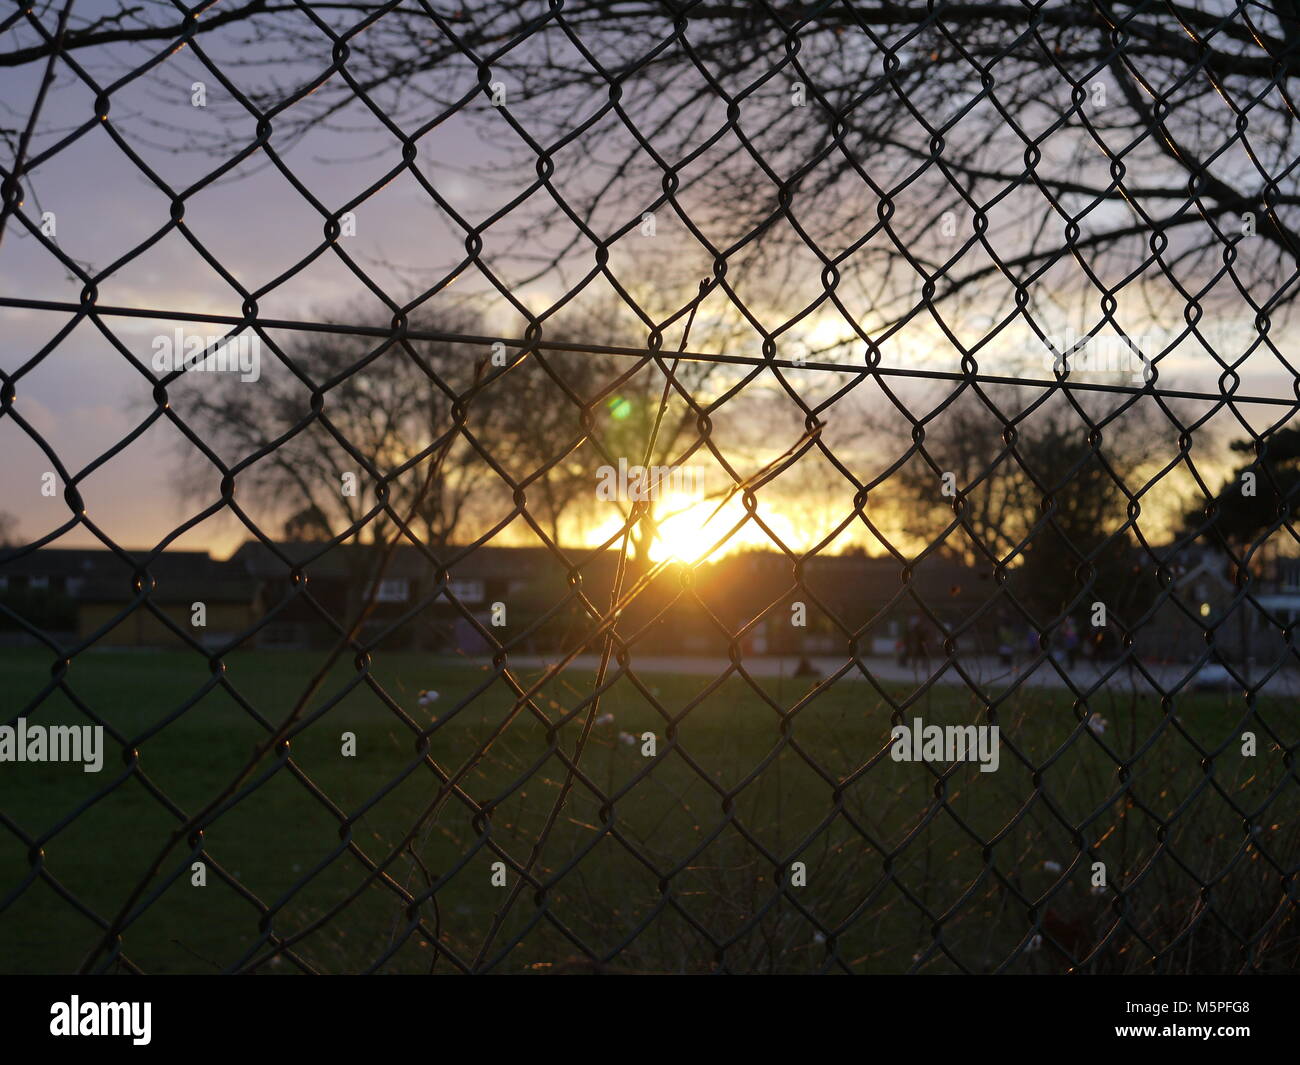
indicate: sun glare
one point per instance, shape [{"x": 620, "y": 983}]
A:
[
  {"x": 689, "y": 530},
  {"x": 687, "y": 534}
]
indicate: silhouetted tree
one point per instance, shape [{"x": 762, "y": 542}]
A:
[
  {"x": 347, "y": 424},
  {"x": 1257, "y": 498},
  {"x": 985, "y": 143},
  {"x": 1039, "y": 497}
]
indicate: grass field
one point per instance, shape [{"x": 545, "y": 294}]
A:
[{"x": 680, "y": 871}]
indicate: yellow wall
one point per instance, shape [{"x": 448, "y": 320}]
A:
[{"x": 141, "y": 629}]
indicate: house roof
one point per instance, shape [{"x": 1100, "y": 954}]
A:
[
  {"x": 97, "y": 575},
  {"x": 347, "y": 561},
  {"x": 742, "y": 581},
  {"x": 847, "y": 584}
]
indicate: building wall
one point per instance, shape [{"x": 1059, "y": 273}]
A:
[{"x": 141, "y": 629}]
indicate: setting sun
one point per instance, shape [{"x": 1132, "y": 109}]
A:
[
  {"x": 689, "y": 530},
  {"x": 687, "y": 533}
]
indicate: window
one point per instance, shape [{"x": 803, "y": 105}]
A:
[
  {"x": 466, "y": 591},
  {"x": 40, "y": 582},
  {"x": 393, "y": 590}
]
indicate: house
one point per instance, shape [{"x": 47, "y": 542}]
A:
[
  {"x": 77, "y": 594},
  {"x": 1202, "y": 597},
  {"x": 299, "y": 594},
  {"x": 821, "y": 605},
  {"x": 466, "y": 599},
  {"x": 1197, "y": 595},
  {"x": 426, "y": 599}
]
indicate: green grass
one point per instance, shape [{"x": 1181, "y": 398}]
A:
[{"x": 738, "y": 783}]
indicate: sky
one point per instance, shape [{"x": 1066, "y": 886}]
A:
[{"x": 84, "y": 398}]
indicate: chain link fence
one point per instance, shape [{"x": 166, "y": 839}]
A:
[{"x": 678, "y": 487}]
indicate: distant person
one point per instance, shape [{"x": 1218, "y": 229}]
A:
[
  {"x": 916, "y": 649},
  {"x": 1006, "y": 644},
  {"x": 1070, "y": 638}
]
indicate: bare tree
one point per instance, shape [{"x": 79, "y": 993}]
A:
[
  {"x": 1042, "y": 497},
  {"x": 927, "y": 153},
  {"x": 346, "y": 422},
  {"x": 338, "y": 436},
  {"x": 538, "y": 437}
]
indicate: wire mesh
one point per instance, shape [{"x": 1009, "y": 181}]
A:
[{"x": 495, "y": 744}]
